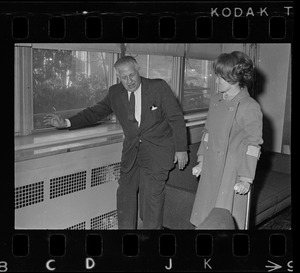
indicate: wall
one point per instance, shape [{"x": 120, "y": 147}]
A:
[
  {"x": 286, "y": 138},
  {"x": 273, "y": 67}
]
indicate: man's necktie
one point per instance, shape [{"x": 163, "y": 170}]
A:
[{"x": 131, "y": 108}]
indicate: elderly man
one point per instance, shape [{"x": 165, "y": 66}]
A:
[{"x": 155, "y": 139}]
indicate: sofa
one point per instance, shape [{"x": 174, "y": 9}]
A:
[{"x": 271, "y": 192}]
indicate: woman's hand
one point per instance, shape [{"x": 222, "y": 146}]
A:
[
  {"x": 197, "y": 169},
  {"x": 242, "y": 187}
]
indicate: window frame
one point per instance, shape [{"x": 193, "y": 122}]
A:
[{"x": 23, "y": 91}]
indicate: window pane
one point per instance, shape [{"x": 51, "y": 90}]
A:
[
  {"x": 66, "y": 81},
  {"x": 161, "y": 67},
  {"x": 142, "y": 61},
  {"x": 153, "y": 66},
  {"x": 198, "y": 84}
]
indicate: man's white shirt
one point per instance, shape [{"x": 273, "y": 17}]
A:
[{"x": 138, "y": 103}]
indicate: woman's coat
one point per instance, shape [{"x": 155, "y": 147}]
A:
[{"x": 230, "y": 149}]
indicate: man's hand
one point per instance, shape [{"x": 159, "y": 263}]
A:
[
  {"x": 182, "y": 159},
  {"x": 55, "y": 120}
]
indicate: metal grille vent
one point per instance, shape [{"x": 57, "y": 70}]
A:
[
  {"x": 29, "y": 194},
  {"x": 105, "y": 221},
  {"x": 67, "y": 184},
  {"x": 77, "y": 226},
  {"x": 105, "y": 174}
]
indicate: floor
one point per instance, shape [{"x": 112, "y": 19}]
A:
[{"x": 283, "y": 220}]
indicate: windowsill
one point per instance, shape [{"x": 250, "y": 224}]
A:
[
  {"x": 62, "y": 141},
  {"x": 195, "y": 119}
]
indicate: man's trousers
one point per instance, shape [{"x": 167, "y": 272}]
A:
[{"x": 146, "y": 178}]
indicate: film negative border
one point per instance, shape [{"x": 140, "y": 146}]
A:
[
  {"x": 266, "y": 21},
  {"x": 191, "y": 251}
]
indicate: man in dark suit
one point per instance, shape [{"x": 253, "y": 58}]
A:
[{"x": 155, "y": 139}]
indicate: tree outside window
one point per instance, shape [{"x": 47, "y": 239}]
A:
[{"x": 66, "y": 81}]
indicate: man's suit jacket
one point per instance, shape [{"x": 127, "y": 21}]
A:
[{"x": 162, "y": 128}]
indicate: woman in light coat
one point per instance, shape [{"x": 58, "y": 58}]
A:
[{"x": 230, "y": 144}]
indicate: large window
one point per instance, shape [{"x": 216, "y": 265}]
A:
[
  {"x": 153, "y": 66},
  {"x": 198, "y": 85},
  {"x": 66, "y": 81}
]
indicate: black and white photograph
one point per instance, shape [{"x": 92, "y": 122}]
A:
[
  {"x": 147, "y": 136},
  {"x": 206, "y": 145}
]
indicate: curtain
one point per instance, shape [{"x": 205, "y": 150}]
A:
[
  {"x": 203, "y": 51},
  {"x": 105, "y": 47},
  {"x": 193, "y": 51},
  {"x": 156, "y": 49}
]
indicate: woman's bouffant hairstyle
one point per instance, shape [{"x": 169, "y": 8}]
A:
[{"x": 234, "y": 67}]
